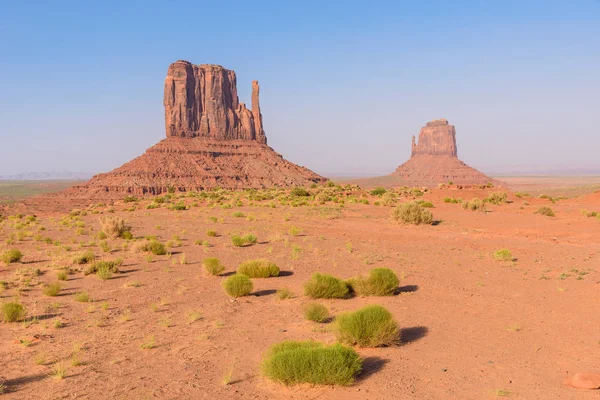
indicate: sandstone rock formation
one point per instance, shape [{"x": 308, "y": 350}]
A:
[
  {"x": 202, "y": 101},
  {"x": 434, "y": 160},
  {"x": 213, "y": 140}
]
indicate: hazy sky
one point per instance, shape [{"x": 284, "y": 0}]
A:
[{"x": 344, "y": 84}]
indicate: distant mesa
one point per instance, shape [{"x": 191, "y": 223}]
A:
[
  {"x": 213, "y": 140},
  {"x": 434, "y": 160}
]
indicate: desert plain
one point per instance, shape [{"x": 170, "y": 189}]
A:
[{"x": 473, "y": 325}]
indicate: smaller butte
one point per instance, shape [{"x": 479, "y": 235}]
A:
[{"x": 434, "y": 160}]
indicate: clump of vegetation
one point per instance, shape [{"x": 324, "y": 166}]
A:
[
  {"x": 258, "y": 269},
  {"x": 547, "y": 211},
  {"x": 62, "y": 275},
  {"x": 474, "y": 205},
  {"x": 380, "y": 282},
  {"x": 299, "y": 192},
  {"x": 155, "y": 247},
  {"x": 284, "y": 294},
  {"x": 52, "y": 289},
  {"x": 451, "y": 200},
  {"x": 371, "y": 326},
  {"x": 316, "y": 312},
  {"x": 82, "y": 297},
  {"x": 211, "y": 233},
  {"x": 238, "y": 214},
  {"x": 240, "y": 241},
  {"x": 238, "y": 285},
  {"x": 213, "y": 266},
  {"x": 324, "y": 286},
  {"x": 116, "y": 227},
  {"x": 496, "y": 198},
  {"x": 13, "y": 311},
  {"x": 104, "y": 267},
  {"x": 378, "y": 191},
  {"x": 12, "y": 256},
  {"x": 412, "y": 213},
  {"x": 85, "y": 258},
  {"x": 503, "y": 255},
  {"x": 293, "y": 362}
]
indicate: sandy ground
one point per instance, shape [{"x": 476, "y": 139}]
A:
[{"x": 472, "y": 327}]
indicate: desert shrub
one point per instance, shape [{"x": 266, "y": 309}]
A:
[
  {"x": 284, "y": 293},
  {"x": 104, "y": 267},
  {"x": 211, "y": 233},
  {"x": 474, "y": 205},
  {"x": 447, "y": 200},
  {"x": 378, "y": 191},
  {"x": 240, "y": 241},
  {"x": 238, "y": 214},
  {"x": 300, "y": 192},
  {"x": 496, "y": 198},
  {"x": 101, "y": 235},
  {"x": 13, "y": 311},
  {"x": 84, "y": 258},
  {"x": 371, "y": 326},
  {"x": 155, "y": 247},
  {"x": 238, "y": 285},
  {"x": 503, "y": 255},
  {"x": 324, "y": 286},
  {"x": 380, "y": 282},
  {"x": 12, "y": 256},
  {"x": 547, "y": 211},
  {"x": 258, "y": 269},
  {"x": 213, "y": 266},
  {"x": 426, "y": 204},
  {"x": 316, "y": 312},
  {"x": 62, "y": 275},
  {"x": 412, "y": 213},
  {"x": 52, "y": 289},
  {"x": 115, "y": 227},
  {"x": 311, "y": 362},
  {"x": 82, "y": 297}
]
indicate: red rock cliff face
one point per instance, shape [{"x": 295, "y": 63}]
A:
[
  {"x": 202, "y": 101},
  {"x": 436, "y": 138}
]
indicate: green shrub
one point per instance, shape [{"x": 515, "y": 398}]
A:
[
  {"x": 84, "y": 258},
  {"x": 426, "y": 204},
  {"x": 101, "y": 235},
  {"x": 496, "y": 198},
  {"x": 155, "y": 247},
  {"x": 378, "y": 191},
  {"x": 12, "y": 256},
  {"x": 284, "y": 293},
  {"x": 238, "y": 285},
  {"x": 213, "y": 266},
  {"x": 371, "y": 326},
  {"x": 299, "y": 192},
  {"x": 503, "y": 255},
  {"x": 311, "y": 362},
  {"x": 250, "y": 238},
  {"x": 240, "y": 241},
  {"x": 52, "y": 289},
  {"x": 474, "y": 205},
  {"x": 13, "y": 311},
  {"x": 82, "y": 297},
  {"x": 380, "y": 282},
  {"x": 258, "y": 269},
  {"x": 238, "y": 214},
  {"x": 412, "y": 213},
  {"x": 211, "y": 233},
  {"x": 62, "y": 275},
  {"x": 115, "y": 227},
  {"x": 547, "y": 211},
  {"x": 324, "y": 286},
  {"x": 104, "y": 267},
  {"x": 316, "y": 312}
]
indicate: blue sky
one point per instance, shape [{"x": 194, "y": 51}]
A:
[{"x": 344, "y": 84}]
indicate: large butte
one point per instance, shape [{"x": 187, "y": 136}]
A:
[{"x": 212, "y": 140}]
